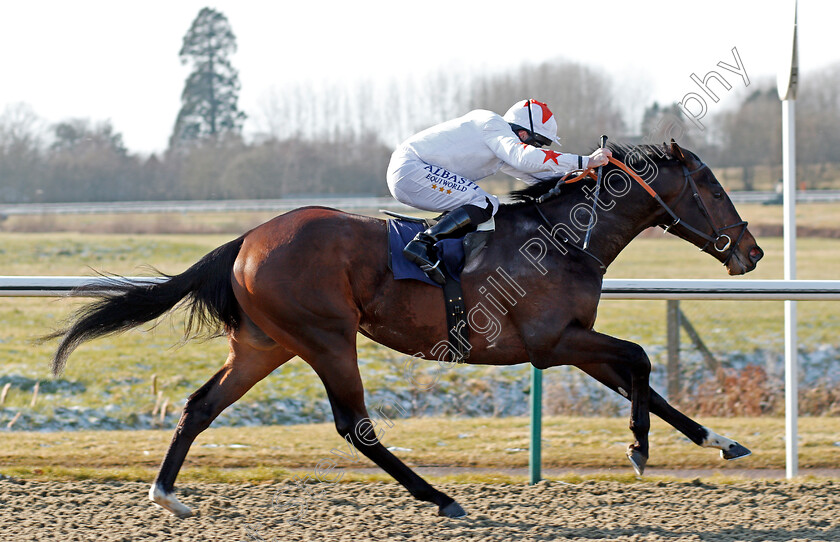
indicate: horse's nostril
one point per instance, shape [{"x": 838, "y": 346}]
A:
[{"x": 756, "y": 254}]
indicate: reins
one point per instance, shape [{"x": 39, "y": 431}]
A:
[
  {"x": 689, "y": 183},
  {"x": 566, "y": 239}
]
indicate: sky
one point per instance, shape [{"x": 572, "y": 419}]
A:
[{"x": 118, "y": 60}]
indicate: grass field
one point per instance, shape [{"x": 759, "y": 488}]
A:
[{"x": 268, "y": 453}]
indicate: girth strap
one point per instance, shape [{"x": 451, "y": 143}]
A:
[{"x": 456, "y": 318}]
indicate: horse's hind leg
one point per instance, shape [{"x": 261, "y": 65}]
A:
[
  {"x": 337, "y": 368},
  {"x": 618, "y": 380},
  {"x": 252, "y": 357}
]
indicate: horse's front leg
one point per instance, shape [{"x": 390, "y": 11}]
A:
[
  {"x": 582, "y": 347},
  {"x": 618, "y": 379}
]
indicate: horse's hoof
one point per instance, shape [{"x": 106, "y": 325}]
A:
[
  {"x": 637, "y": 460},
  {"x": 736, "y": 451},
  {"x": 452, "y": 510},
  {"x": 169, "y": 501}
]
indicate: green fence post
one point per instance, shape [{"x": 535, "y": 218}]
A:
[{"x": 535, "y": 452}]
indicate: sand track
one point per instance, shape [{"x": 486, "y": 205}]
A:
[{"x": 673, "y": 511}]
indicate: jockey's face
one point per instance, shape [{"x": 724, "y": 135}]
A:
[{"x": 526, "y": 137}]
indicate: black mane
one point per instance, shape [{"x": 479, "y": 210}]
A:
[{"x": 657, "y": 153}]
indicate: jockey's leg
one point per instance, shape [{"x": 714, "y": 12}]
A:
[
  {"x": 456, "y": 223},
  {"x": 433, "y": 188}
]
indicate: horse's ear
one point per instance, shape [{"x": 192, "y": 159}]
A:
[{"x": 677, "y": 152}]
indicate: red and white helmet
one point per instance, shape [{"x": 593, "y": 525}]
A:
[{"x": 536, "y": 117}]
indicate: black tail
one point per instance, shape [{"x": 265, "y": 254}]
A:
[{"x": 121, "y": 305}]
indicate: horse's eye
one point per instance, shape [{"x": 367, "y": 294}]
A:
[{"x": 718, "y": 195}]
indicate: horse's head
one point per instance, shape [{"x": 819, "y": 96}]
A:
[{"x": 704, "y": 214}]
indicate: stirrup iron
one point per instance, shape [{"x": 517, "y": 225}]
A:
[{"x": 434, "y": 272}]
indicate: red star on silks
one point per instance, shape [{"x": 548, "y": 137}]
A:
[
  {"x": 551, "y": 155},
  {"x": 546, "y": 112}
]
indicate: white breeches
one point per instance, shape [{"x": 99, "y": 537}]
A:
[{"x": 433, "y": 188}]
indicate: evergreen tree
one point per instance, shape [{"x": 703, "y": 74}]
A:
[{"x": 209, "y": 100}]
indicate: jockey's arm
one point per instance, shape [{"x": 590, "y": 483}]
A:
[
  {"x": 598, "y": 158},
  {"x": 528, "y": 178},
  {"x": 527, "y": 158}
]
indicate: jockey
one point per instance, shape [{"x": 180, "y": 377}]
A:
[{"x": 436, "y": 170}]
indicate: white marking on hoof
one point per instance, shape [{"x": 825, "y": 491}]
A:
[
  {"x": 169, "y": 502},
  {"x": 713, "y": 440}
]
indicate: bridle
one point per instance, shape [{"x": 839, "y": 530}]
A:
[
  {"x": 721, "y": 242},
  {"x": 719, "y": 236}
]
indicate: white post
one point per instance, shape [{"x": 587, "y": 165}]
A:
[
  {"x": 787, "y": 81},
  {"x": 791, "y": 358}
]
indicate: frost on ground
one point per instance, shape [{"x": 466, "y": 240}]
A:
[{"x": 456, "y": 390}]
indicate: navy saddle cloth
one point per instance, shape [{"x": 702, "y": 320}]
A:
[{"x": 400, "y": 232}]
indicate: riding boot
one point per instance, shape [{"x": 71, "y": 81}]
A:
[{"x": 421, "y": 250}]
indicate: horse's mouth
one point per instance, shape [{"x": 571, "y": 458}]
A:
[{"x": 741, "y": 263}]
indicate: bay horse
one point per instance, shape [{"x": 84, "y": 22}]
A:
[{"x": 306, "y": 282}]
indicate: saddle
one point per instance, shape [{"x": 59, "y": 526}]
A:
[{"x": 454, "y": 254}]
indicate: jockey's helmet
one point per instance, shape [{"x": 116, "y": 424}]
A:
[{"x": 536, "y": 118}]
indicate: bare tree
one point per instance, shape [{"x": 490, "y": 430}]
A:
[
  {"x": 751, "y": 134},
  {"x": 21, "y": 146},
  {"x": 581, "y": 99},
  {"x": 90, "y": 163},
  {"x": 817, "y": 122}
]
